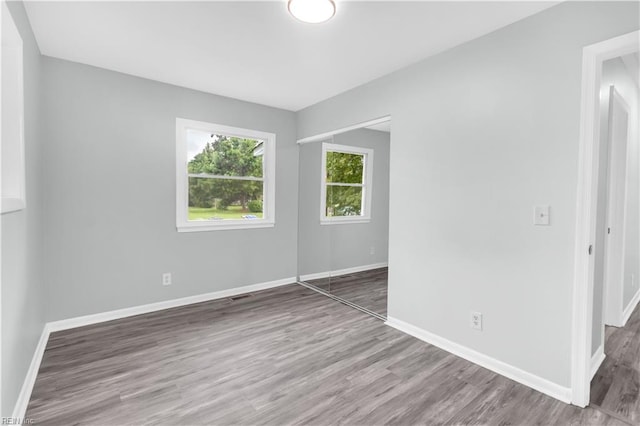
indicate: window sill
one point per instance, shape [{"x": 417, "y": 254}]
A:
[
  {"x": 223, "y": 226},
  {"x": 344, "y": 221}
]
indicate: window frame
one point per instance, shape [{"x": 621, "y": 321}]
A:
[
  {"x": 367, "y": 184},
  {"x": 183, "y": 224}
]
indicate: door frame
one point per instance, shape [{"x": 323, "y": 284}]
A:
[
  {"x": 615, "y": 264},
  {"x": 582, "y": 311}
]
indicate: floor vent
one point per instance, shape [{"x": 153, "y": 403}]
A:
[{"x": 242, "y": 296}]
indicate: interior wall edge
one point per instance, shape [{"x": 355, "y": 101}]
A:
[
  {"x": 24, "y": 396},
  {"x": 548, "y": 387}
]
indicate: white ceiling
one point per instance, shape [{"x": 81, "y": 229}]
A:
[{"x": 255, "y": 51}]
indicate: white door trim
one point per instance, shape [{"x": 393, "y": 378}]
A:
[{"x": 582, "y": 313}]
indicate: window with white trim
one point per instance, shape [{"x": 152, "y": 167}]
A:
[
  {"x": 225, "y": 177},
  {"x": 346, "y": 184}
]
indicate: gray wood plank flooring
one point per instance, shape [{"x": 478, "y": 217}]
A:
[
  {"x": 282, "y": 356},
  {"x": 367, "y": 289},
  {"x": 616, "y": 385}
]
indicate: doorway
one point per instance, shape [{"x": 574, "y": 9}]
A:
[
  {"x": 620, "y": 205},
  {"x": 617, "y": 241},
  {"x": 608, "y": 233}
]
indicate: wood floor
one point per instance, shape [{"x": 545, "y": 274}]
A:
[
  {"x": 616, "y": 385},
  {"x": 282, "y": 356},
  {"x": 367, "y": 289}
]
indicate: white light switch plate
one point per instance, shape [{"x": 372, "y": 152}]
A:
[{"x": 541, "y": 215}]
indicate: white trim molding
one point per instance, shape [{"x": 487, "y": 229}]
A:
[
  {"x": 626, "y": 314},
  {"x": 538, "y": 383},
  {"x": 338, "y": 272},
  {"x": 597, "y": 359},
  {"x": 586, "y": 207},
  {"x": 167, "y": 304},
  {"x": 24, "y": 396}
]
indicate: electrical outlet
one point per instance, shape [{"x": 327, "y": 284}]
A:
[
  {"x": 166, "y": 278},
  {"x": 372, "y": 250},
  {"x": 476, "y": 320}
]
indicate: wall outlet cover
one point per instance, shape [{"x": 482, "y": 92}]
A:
[
  {"x": 476, "y": 320},
  {"x": 166, "y": 278}
]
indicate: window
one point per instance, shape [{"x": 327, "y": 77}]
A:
[
  {"x": 12, "y": 139},
  {"x": 225, "y": 177},
  {"x": 346, "y": 184}
]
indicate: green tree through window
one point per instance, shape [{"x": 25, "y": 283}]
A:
[
  {"x": 238, "y": 158},
  {"x": 344, "y": 168}
]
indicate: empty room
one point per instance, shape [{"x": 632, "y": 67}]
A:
[{"x": 320, "y": 212}]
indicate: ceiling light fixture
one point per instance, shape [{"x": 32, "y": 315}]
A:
[{"x": 312, "y": 11}]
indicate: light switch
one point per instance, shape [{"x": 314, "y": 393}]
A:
[{"x": 541, "y": 215}]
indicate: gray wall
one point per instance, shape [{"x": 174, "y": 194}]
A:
[
  {"x": 23, "y": 298},
  {"x": 486, "y": 131},
  {"x": 110, "y": 228},
  {"x": 324, "y": 248}
]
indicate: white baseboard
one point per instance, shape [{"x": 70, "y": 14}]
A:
[
  {"x": 336, "y": 272},
  {"x": 626, "y": 314},
  {"x": 597, "y": 359},
  {"x": 27, "y": 387},
  {"x": 514, "y": 373},
  {"x": 167, "y": 304},
  {"x": 24, "y": 396}
]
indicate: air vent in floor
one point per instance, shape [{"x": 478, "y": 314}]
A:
[{"x": 241, "y": 296}]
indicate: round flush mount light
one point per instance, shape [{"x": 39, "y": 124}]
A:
[{"x": 312, "y": 11}]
